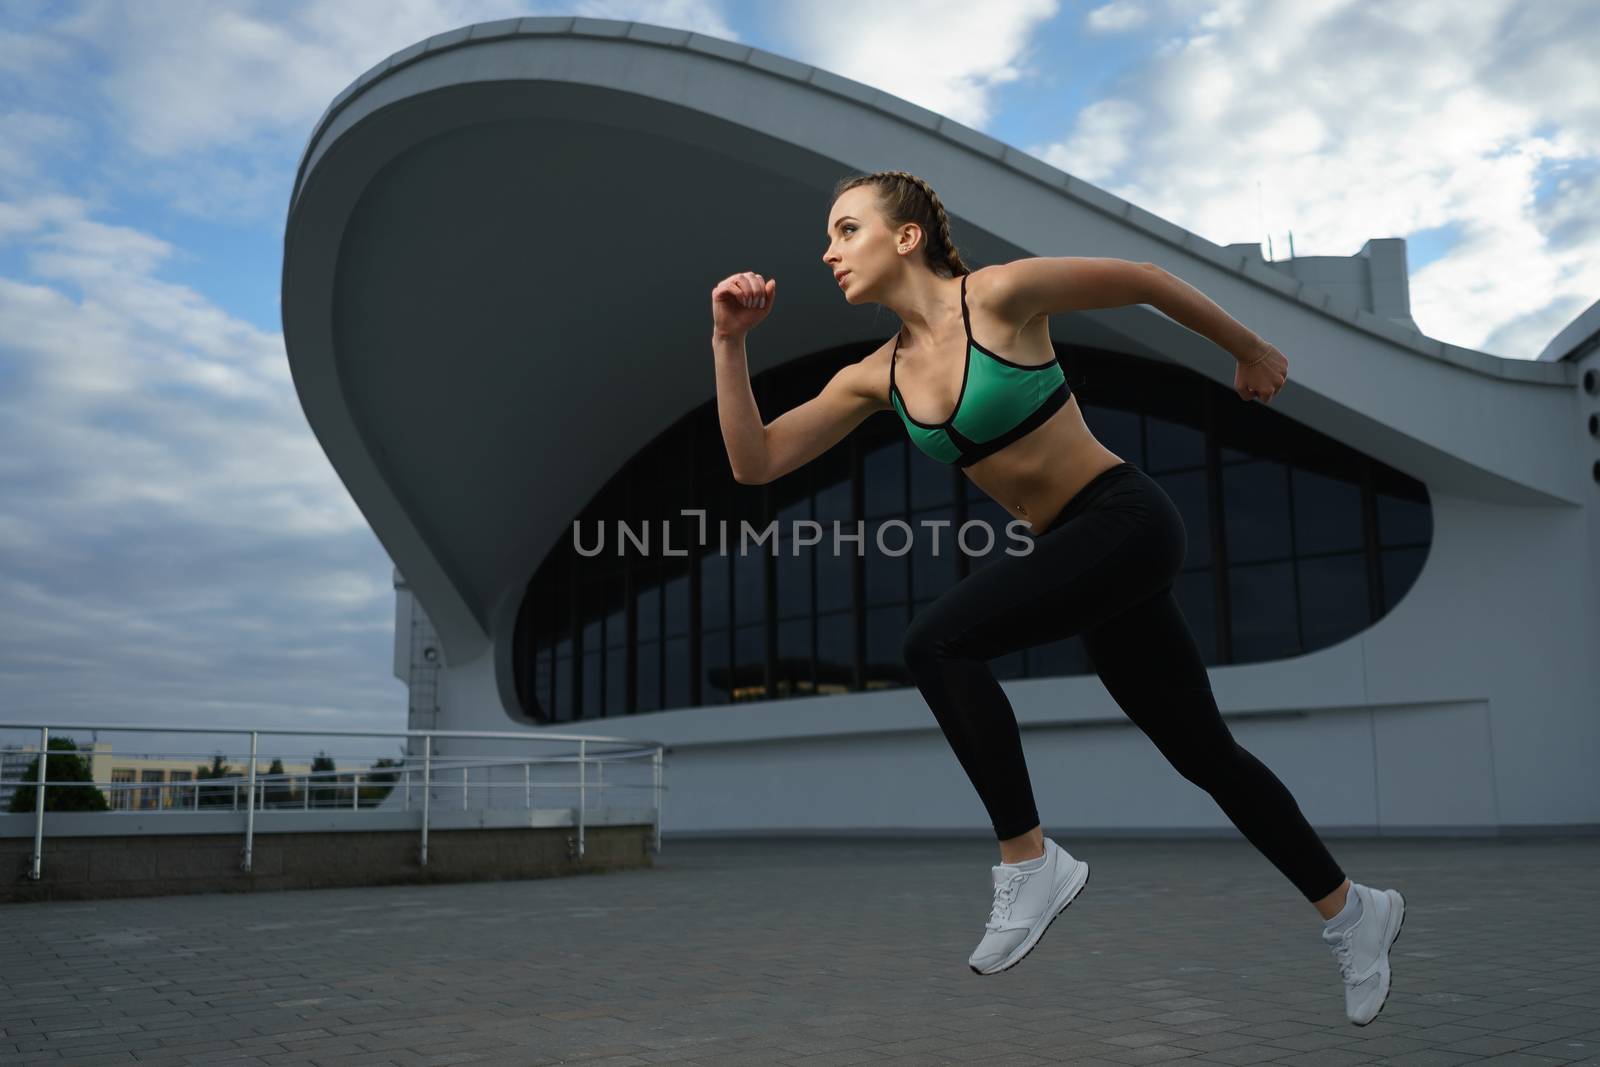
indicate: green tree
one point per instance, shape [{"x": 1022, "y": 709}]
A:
[
  {"x": 220, "y": 796},
  {"x": 324, "y": 793},
  {"x": 277, "y": 793},
  {"x": 379, "y": 782},
  {"x": 65, "y": 767}
]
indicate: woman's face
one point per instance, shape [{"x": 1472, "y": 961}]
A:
[{"x": 860, "y": 246}]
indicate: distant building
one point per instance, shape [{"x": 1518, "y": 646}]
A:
[{"x": 135, "y": 782}]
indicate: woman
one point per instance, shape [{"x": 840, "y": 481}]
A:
[{"x": 973, "y": 376}]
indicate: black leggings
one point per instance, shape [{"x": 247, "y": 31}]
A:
[{"x": 1103, "y": 569}]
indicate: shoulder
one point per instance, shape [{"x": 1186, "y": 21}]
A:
[
  {"x": 994, "y": 289},
  {"x": 868, "y": 377},
  {"x": 1026, "y": 289}
]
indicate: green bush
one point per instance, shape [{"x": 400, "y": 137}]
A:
[{"x": 64, "y": 765}]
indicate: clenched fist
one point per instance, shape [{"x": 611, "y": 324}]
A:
[
  {"x": 740, "y": 301},
  {"x": 1264, "y": 379}
]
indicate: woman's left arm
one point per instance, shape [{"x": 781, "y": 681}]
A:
[{"x": 1261, "y": 369}]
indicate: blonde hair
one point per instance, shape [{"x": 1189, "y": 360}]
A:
[{"x": 904, "y": 198}]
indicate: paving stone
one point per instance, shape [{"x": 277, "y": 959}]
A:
[{"x": 821, "y": 952}]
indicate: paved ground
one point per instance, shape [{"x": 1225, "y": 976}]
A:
[{"x": 823, "y": 953}]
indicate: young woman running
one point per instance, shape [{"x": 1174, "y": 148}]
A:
[{"x": 973, "y": 376}]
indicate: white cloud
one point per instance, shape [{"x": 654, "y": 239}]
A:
[
  {"x": 185, "y": 78},
  {"x": 210, "y": 104},
  {"x": 1363, "y": 121},
  {"x": 173, "y": 535},
  {"x": 945, "y": 55},
  {"x": 27, "y": 136},
  {"x": 1116, "y": 17}
]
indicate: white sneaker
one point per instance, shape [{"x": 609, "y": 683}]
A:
[
  {"x": 1025, "y": 904},
  {"x": 1362, "y": 950}
]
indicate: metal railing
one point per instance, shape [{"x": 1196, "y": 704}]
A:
[{"x": 255, "y": 785}]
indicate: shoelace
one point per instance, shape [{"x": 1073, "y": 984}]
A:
[
  {"x": 1004, "y": 894},
  {"x": 1341, "y": 952}
]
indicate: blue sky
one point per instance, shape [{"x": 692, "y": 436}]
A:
[{"x": 173, "y": 543}]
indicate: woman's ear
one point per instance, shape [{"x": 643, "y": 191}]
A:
[{"x": 910, "y": 237}]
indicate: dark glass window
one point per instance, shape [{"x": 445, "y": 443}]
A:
[
  {"x": 750, "y": 663},
  {"x": 888, "y": 572},
  {"x": 676, "y": 653},
  {"x": 1117, "y": 429},
  {"x": 677, "y": 604},
  {"x": 563, "y": 666},
  {"x": 715, "y": 681},
  {"x": 750, "y": 592},
  {"x": 1400, "y": 569},
  {"x": 543, "y": 676},
  {"x": 1402, "y": 522},
  {"x": 1318, "y": 541},
  {"x": 983, "y": 538},
  {"x": 793, "y": 670},
  {"x": 934, "y": 552},
  {"x": 714, "y": 589},
  {"x": 933, "y": 484},
  {"x": 1333, "y": 597},
  {"x": 1255, "y": 501},
  {"x": 589, "y": 703},
  {"x": 883, "y": 472},
  {"x": 1327, "y": 515},
  {"x": 794, "y": 560},
  {"x": 648, "y": 612},
  {"x": 1172, "y": 445}
]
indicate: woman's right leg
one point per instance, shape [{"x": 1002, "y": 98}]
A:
[
  {"x": 1149, "y": 663},
  {"x": 1110, "y": 549}
]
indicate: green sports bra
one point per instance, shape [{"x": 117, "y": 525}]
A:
[{"x": 1000, "y": 401}]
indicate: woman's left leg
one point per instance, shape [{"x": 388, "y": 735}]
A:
[{"x": 1148, "y": 661}]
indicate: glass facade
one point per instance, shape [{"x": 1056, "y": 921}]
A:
[{"x": 1296, "y": 541}]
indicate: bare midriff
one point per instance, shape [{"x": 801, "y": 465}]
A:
[{"x": 1033, "y": 478}]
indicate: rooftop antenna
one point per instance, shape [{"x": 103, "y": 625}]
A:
[
  {"x": 1259, "y": 226},
  {"x": 1291, "y": 244}
]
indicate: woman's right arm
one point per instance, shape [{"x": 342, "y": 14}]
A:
[{"x": 762, "y": 453}]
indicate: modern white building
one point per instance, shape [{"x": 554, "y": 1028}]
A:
[{"x": 497, "y": 269}]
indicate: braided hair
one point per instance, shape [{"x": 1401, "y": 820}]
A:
[{"x": 904, "y": 198}]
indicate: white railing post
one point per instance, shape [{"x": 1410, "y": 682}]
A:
[
  {"x": 407, "y": 801},
  {"x": 250, "y": 813},
  {"x": 38, "y": 804},
  {"x": 527, "y": 791},
  {"x": 583, "y": 747},
  {"x": 655, "y": 760},
  {"x": 355, "y": 794},
  {"x": 427, "y": 782}
]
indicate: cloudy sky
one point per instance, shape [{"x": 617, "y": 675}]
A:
[{"x": 174, "y": 545}]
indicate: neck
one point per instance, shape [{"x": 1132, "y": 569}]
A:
[{"x": 925, "y": 302}]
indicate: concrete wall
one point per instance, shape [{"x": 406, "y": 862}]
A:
[{"x": 79, "y": 868}]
